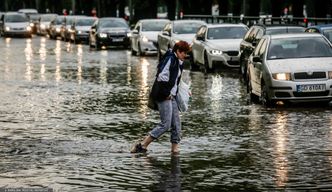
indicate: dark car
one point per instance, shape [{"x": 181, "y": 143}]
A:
[
  {"x": 80, "y": 29},
  {"x": 254, "y": 34},
  {"x": 109, "y": 31},
  {"x": 325, "y": 29}
]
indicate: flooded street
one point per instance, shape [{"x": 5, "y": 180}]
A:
[{"x": 69, "y": 116}]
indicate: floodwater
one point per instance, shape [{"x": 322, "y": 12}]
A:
[{"x": 69, "y": 115}]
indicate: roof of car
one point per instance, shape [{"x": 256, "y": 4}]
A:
[
  {"x": 144, "y": 20},
  {"x": 323, "y": 26},
  {"x": 277, "y": 36},
  {"x": 278, "y": 25},
  {"x": 226, "y": 25},
  {"x": 188, "y": 21}
]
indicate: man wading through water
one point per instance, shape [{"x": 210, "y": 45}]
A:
[{"x": 169, "y": 74}]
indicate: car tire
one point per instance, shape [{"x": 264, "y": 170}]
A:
[
  {"x": 266, "y": 101},
  {"x": 243, "y": 69}
]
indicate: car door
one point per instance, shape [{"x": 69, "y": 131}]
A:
[
  {"x": 256, "y": 66},
  {"x": 164, "y": 38},
  {"x": 198, "y": 45},
  {"x": 135, "y": 36}
]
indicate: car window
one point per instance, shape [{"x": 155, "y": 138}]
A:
[
  {"x": 153, "y": 26},
  {"x": 186, "y": 28},
  {"x": 283, "y": 30},
  {"x": 299, "y": 48},
  {"x": 328, "y": 34},
  {"x": 85, "y": 22},
  {"x": 16, "y": 18},
  {"x": 112, "y": 23},
  {"x": 226, "y": 33}
]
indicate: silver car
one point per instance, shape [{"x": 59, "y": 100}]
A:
[
  {"x": 175, "y": 31},
  {"x": 291, "y": 67},
  {"x": 217, "y": 45},
  {"x": 144, "y": 36},
  {"x": 15, "y": 24}
]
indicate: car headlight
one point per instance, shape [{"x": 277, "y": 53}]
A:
[
  {"x": 28, "y": 28},
  {"x": 42, "y": 26},
  {"x": 282, "y": 76},
  {"x": 145, "y": 39},
  {"x": 79, "y": 32},
  {"x": 215, "y": 52},
  {"x": 58, "y": 30},
  {"x": 102, "y": 35},
  {"x": 7, "y": 28},
  {"x": 129, "y": 34},
  {"x": 330, "y": 74},
  {"x": 32, "y": 24}
]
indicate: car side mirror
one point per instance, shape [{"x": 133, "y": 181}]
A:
[
  {"x": 135, "y": 31},
  {"x": 256, "y": 59}
]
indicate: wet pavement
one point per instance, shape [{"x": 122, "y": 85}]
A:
[{"x": 69, "y": 115}]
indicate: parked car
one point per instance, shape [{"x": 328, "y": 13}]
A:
[
  {"x": 291, "y": 67},
  {"x": 325, "y": 29},
  {"x": 254, "y": 34},
  {"x": 175, "y": 31},
  {"x": 15, "y": 24},
  {"x": 144, "y": 36},
  {"x": 109, "y": 31},
  {"x": 44, "y": 23},
  {"x": 55, "y": 27},
  {"x": 217, "y": 45},
  {"x": 80, "y": 28}
]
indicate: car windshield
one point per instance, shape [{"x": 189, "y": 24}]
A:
[
  {"x": 226, "y": 33},
  {"x": 328, "y": 34},
  {"x": 59, "y": 20},
  {"x": 47, "y": 18},
  {"x": 113, "y": 23},
  {"x": 16, "y": 18},
  {"x": 85, "y": 22},
  {"x": 186, "y": 28},
  {"x": 299, "y": 48},
  {"x": 282, "y": 30},
  {"x": 153, "y": 26}
]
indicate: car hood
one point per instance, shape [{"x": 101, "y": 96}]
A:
[
  {"x": 184, "y": 37},
  {"x": 121, "y": 30},
  {"x": 17, "y": 25},
  {"x": 300, "y": 64},
  {"x": 152, "y": 35},
  {"x": 224, "y": 44}
]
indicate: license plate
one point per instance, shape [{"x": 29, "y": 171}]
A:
[
  {"x": 311, "y": 88},
  {"x": 117, "y": 40}
]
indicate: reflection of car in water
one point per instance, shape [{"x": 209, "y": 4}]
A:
[
  {"x": 325, "y": 29},
  {"x": 291, "y": 67},
  {"x": 15, "y": 24},
  {"x": 217, "y": 45},
  {"x": 144, "y": 36},
  {"x": 109, "y": 31}
]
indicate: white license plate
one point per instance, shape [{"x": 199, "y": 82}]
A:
[
  {"x": 117, "y": 40},
  {"x": 311, "y": 88}
]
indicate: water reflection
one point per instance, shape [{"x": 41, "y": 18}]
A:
[
  {"x": 103, "y": 67},
  {"x": 143, "y": 87},
  {"x": 280, "y": 139},
  {"x": 42, "y": 55},
  {"x": 79, "y": 63},
  {"x": 58, "y": 61},
  {"x": 28, "y": 57}
]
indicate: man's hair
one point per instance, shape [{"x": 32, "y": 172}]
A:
[{"x": 182, "y": 46}]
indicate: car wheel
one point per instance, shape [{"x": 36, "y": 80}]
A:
[{"x": 266, "y": 101}]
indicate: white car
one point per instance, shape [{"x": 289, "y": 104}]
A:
[
  {"x": 291, "y": 68},
  {"x": 15, "y": 24},
  {"x": 144, "y": 36},
  {"x": 44, "y": 23},
  {"x": 217, "y": 45},
  {"x": 175, "y": 31}
]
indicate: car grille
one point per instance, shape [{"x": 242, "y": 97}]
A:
[
  {"x": 315, "y": 75},
  {"x": 18, "y": 29},
  {"x": 232, "y": 53},
  {"x": 311, "y": 94}
]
